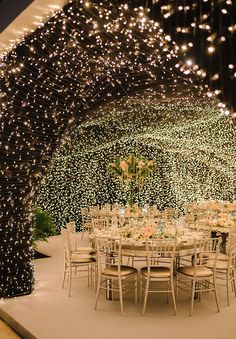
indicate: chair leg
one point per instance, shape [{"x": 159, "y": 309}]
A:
[
  {"x": 216, "y": 296},
  {"x": 192, "y": 297},
  {"x": 233, "y": 282},
  {"x": 140, "y": 288},
  {"x": 227, "y": 287},
  {"x": 167, "y": 294},
  {"x": 173, "y": 295},
  {"x": 145, "y": 296},
  {"x": 177, "y": 286},
  {"x": 64, "y": 277},
  {"x": 88, "y": 268},
  {"x": 136, "y": 289},
  {"x": 98, "y": 291},
  {"x": 70, "y": 278},
  {"x": 121, "y": 296},
  {"x": 95, "y": 277},
  {"x": 82, "y": 235}
]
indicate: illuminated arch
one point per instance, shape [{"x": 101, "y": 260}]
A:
[{"x": 81, "y": 59}]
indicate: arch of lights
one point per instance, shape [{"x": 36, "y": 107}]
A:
[{"x": 87, "y": 57}]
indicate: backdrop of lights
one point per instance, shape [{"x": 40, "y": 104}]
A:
[
  {"x": 194, "y": 152},
  {"x": 89, "y": 55}
]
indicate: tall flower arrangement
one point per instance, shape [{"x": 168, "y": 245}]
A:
[{"x": 132, "y": 171}]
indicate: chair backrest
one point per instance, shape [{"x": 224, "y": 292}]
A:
[
  {"x": 106, "y": 207},
  {"x": 232, "y": 239},
  {"x": 232, "y": 255},
  {"x": 94, "y": 214},
  {"x": 100, "y": 223},
  {"x": 160, "y": 252},
  {"x": 85, "y": 214},
  {"x": 94, "y": 208},
  {"x": 66, "y": 243},
  {"x": 204, "y": 249},
  {"x": 71, "y": 229},
  {"x": 108, "y": 252}
]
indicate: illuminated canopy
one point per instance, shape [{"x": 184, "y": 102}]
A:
[{"x": 88, "y": 56}]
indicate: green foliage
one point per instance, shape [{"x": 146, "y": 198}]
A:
[{"x": 43, "y": 225}]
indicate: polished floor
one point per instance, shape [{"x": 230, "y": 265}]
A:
[
  {"x": 6, "y": 332},
  {"x": 49, "y": 313}
]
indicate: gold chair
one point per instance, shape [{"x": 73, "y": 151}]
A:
[
  {"x": 71, "y": 228},
  {"x": 196, "y": 276},
  {"x": 100, "y": 223},
  {"x": 86, "y": 221},
  {"x": 74, "y": 261},
  {"x": 160, "y": 254},
  {"x": 112, "y": 275},
  {"x": 225, "y": 271}
]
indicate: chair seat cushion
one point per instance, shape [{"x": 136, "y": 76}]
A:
[
  {"x": 201, "y": 271},
  {"x": 87, "y": 250},
  {"x": 82, "y": 258},
  {"x": 220, "y": 256},
  {"x": 220, "y": 264},
  {"x": 113, "y": 270},
  {"x": 156, "y": 272}
]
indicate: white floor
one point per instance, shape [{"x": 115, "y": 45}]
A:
[{"x": 49, "y": 313}]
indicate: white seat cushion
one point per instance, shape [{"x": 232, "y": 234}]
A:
[
  {"x": 220, "y": 256},
  {"x": 113, "y": 270},
  {"x": 220, "y": 264},
  {"x": 82, "y": 258},
  {"x": 88, "y": 250},
  {"x": 156, "y": 272},
  {"x": 201, "y": 271}
]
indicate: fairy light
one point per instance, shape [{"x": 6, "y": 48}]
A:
[
  {"x": 191, "y": 166},
  {"x": 201, "y": 23},
  {"x": 211, "y": 49}
]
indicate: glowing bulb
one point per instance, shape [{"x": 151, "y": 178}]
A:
[
  {"x": 189, "y": 62},
  {"x": 211, "y": 49}
]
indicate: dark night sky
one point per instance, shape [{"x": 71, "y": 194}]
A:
[{"x": 10, "y": 9}]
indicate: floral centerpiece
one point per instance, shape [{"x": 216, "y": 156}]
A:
[
  {"x": 132, "y": 171},
  {"x": 147, "y": 232},
  {"x": 213, "y": 215}
]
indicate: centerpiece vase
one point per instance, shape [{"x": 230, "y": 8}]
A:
[{"x": 131, "y": 193}]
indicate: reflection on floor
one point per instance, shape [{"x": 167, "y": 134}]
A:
[{"x": 49, "y": 313}]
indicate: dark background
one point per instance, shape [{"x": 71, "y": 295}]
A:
[{"x": 10, "y": 9}]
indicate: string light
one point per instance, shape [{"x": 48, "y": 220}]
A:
[
  {"x": 211, "y": 49},
  {"x": 199, "y": 23},
  {"x": 191, "y": 166}
]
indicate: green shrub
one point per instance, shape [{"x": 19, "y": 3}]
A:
[{"x": 43, "y": 225}]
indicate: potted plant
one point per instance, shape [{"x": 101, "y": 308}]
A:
[{"x": 43, "y": 226}]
